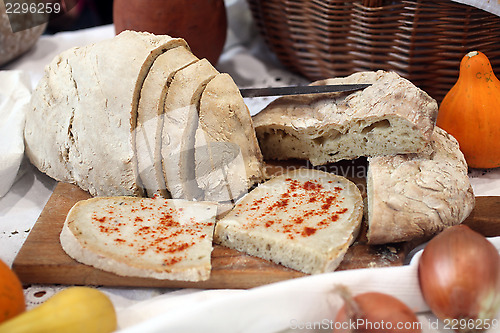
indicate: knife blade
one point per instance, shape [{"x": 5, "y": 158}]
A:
[{"x": 300, "y": 90}]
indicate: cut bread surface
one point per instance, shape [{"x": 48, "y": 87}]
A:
[
  {"x": 391, "y": 116},
  {"x": 304, "y": 219},
  {"x": 143, "y": 237}
]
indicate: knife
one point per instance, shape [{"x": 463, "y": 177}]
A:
[{"x": 300, "y": 90}]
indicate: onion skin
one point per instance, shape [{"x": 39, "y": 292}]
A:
[
  {"x": 459, "y": 275},
  {"x": 377, "y": 309}
]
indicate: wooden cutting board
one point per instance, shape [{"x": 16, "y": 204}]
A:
[{"x": 41, "y": 260}]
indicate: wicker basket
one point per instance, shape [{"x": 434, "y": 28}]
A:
[{"x": 423, "y": 41}]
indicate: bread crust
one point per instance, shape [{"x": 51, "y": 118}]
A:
[{"x": 418, "y": 195}]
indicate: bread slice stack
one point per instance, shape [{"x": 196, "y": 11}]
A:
[
  {"x": 120, "y": 117},
  {"x": 305, "y": 219},
  {"x": 142, "y": 237},
  {"x": 150, "y": 117},
  {"x": 179, "y": 128}
]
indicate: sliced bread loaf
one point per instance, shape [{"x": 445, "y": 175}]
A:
[
  {"x": 80, "y": 125},
  {"x": 304, "y": 219},
  {"x": 391, "y": 116},
  {"x": 143, "y": 237},
  {"x": 418, "y": 195},
  {"x": 119, "y": 117}
]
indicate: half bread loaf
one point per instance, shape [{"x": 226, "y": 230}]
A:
[
  {"x": 143, "y": 237},
  {"x": 304, "y": 219},
  {"x": 392, "y": 116}
]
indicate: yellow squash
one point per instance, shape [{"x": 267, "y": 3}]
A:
[
  {"x": 75, "y": 310},
  {"x": 471, "y": 111}
]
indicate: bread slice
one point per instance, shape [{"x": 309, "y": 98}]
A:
[
  {"x": 227, "y": 155},
  {"x": 142, "y": 237},
  {"x": 392, "y": 116},
  {"x": 150, "y": 117},
  {"x": 83, "y": 113},
  {"x": 304, "y": 219},
  {"x": 179, "y": 127},
  {"x": 417, "y": 195}
]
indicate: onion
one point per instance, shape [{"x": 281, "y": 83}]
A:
[
  {"x": 375, "y": 312},
  {"x": 459, "y": 275}
]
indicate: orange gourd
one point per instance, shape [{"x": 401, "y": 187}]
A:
[
  {"x": 11, "y": 294},
  {"x": 470, "y": 112}
]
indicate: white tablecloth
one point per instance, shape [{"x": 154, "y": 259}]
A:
[{"x": 250, "y": 64}]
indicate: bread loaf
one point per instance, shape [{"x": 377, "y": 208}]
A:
[
  {"x": 392, "y": 116},
  {"x": 80, "y": 125},
  {"x": 120, "y": 117},
  {"x": 143, "y": 237},
  {"x": 304, "y": 219},
  {"x": 418, "y": 195}
]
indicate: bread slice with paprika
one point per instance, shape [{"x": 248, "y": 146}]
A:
[
  {"x": 143, "y": 237},
  {"x": 304, "y": 219}
]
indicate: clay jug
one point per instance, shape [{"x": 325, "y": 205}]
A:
[{"x": 202, "y": 23}]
